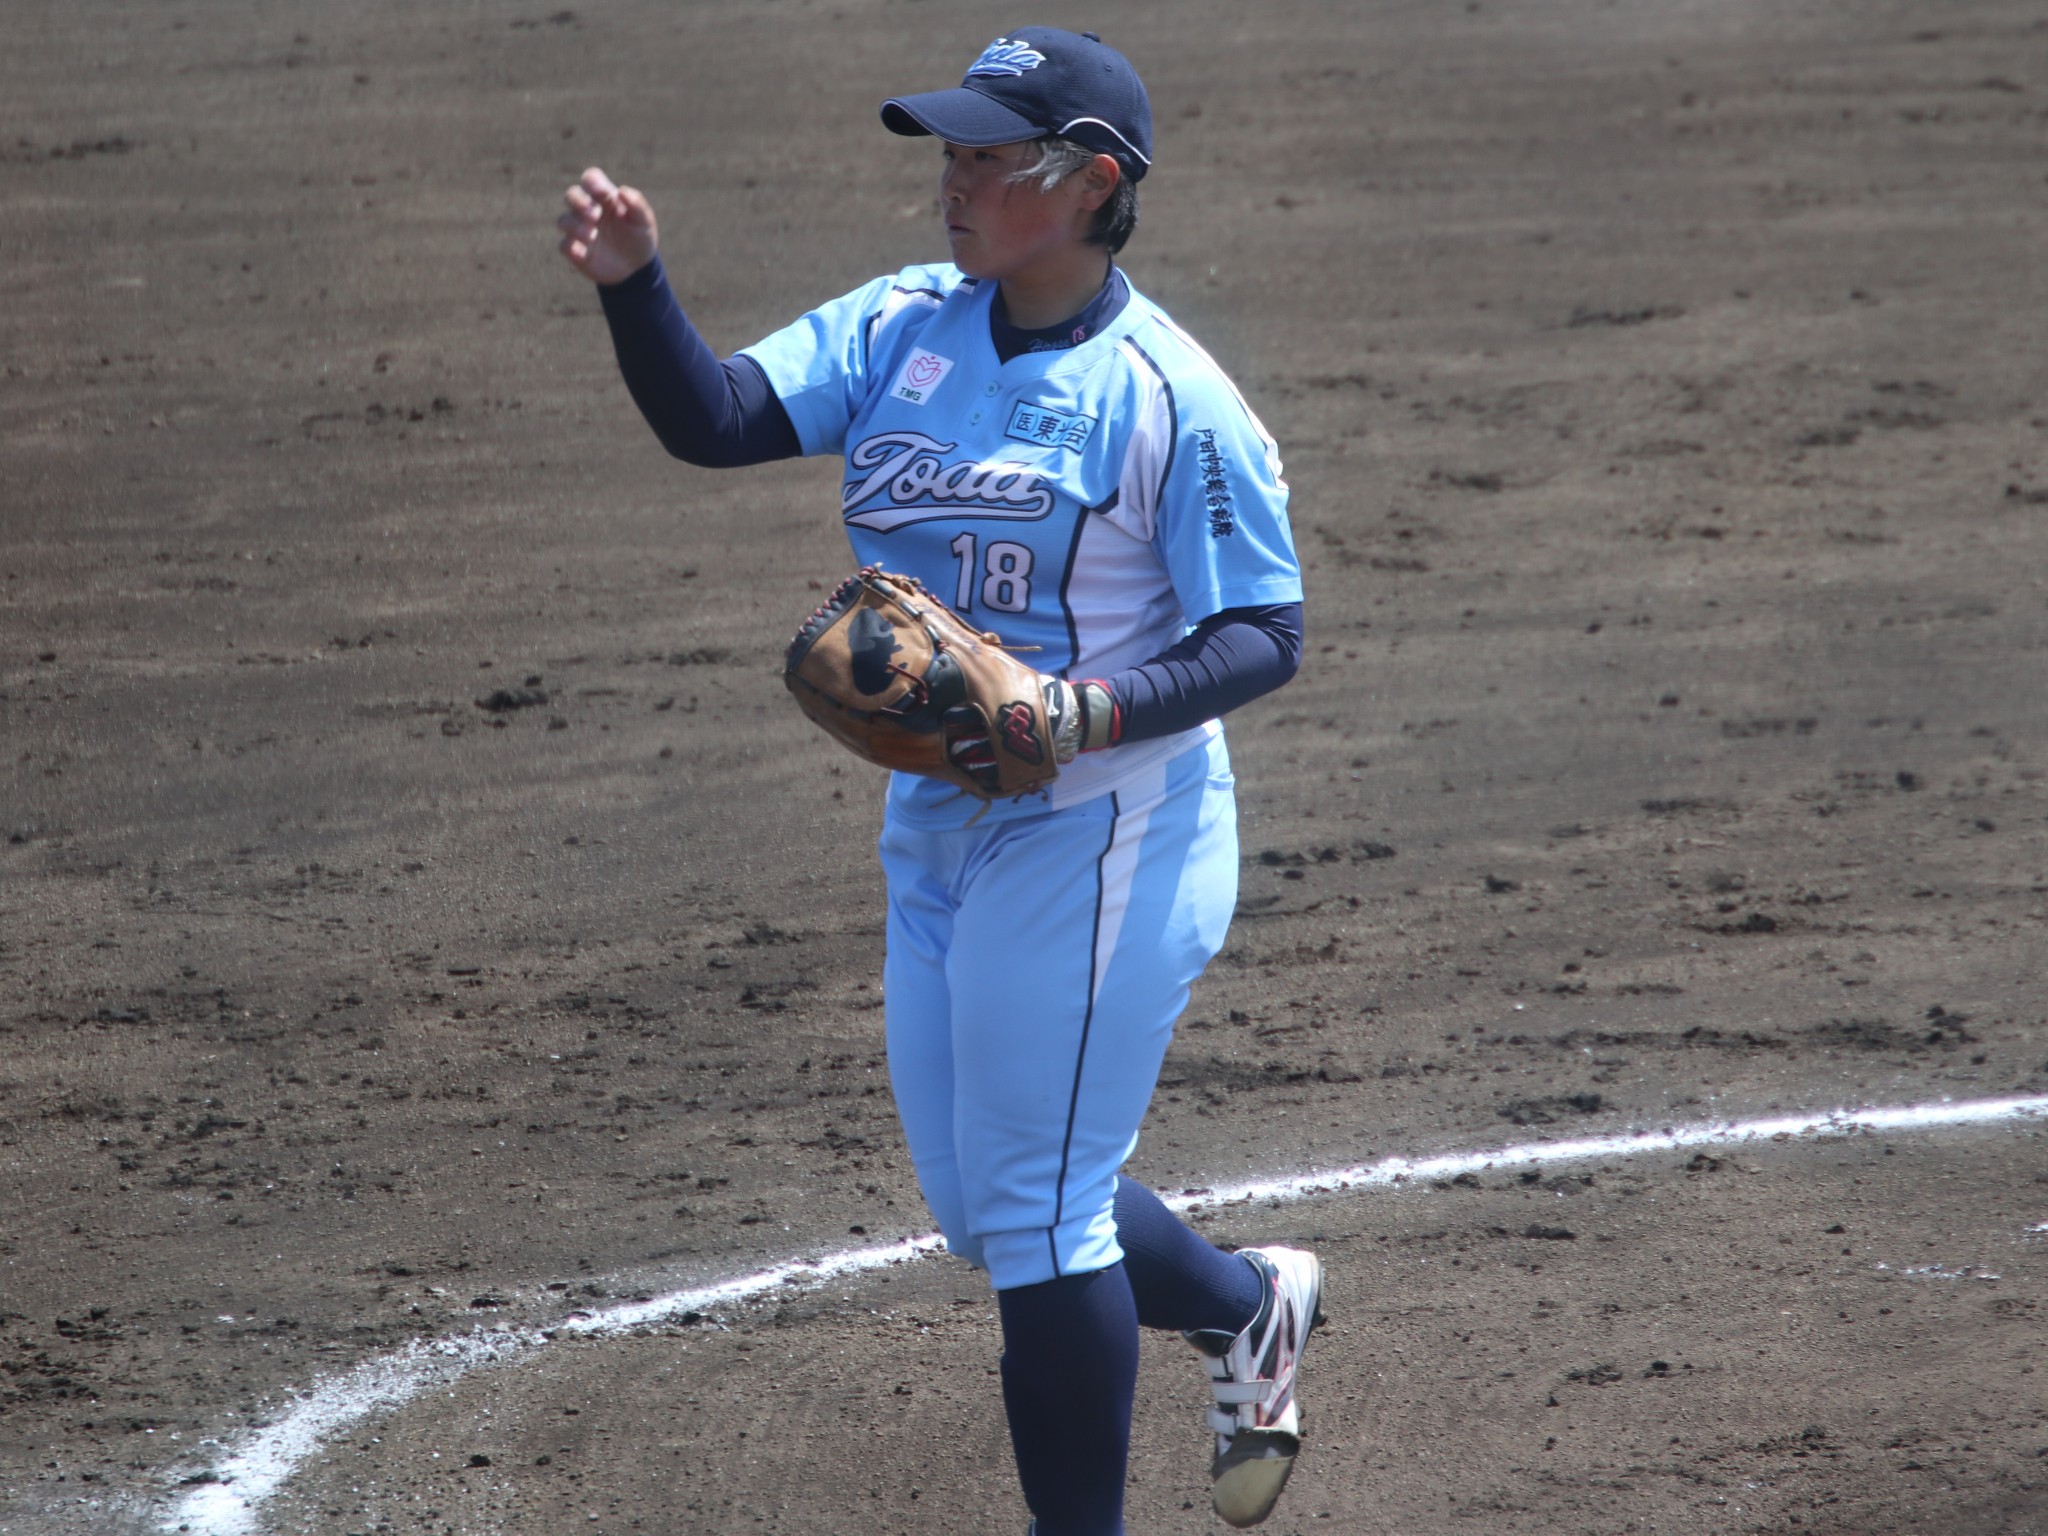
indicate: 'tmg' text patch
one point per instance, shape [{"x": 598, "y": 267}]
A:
[{"x": 920, "y": 375}]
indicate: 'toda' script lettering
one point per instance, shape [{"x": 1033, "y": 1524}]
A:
[{"x": 904, "y": 477}]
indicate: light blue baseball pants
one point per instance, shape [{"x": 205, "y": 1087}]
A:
[{"x": 1036, "y": 966}]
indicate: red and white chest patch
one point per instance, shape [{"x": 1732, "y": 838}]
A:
[{"x": 921, "y": 373}]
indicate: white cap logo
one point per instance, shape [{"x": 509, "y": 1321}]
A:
[{"x": 1003, "y": 57}]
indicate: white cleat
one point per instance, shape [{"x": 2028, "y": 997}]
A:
[{"x": 1251, "y": 1374}]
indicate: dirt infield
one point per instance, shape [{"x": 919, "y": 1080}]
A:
[{"x": 421, "y": 910}]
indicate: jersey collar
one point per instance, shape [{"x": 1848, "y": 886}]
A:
[
  {"x": 978, "y": 318},
  {"x": 1011, "y": 341}
]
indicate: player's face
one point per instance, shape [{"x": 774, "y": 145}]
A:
[{"x": 1000, "y": 228}]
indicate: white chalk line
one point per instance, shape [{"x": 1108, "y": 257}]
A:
[{"x": 256, "y": 1466}]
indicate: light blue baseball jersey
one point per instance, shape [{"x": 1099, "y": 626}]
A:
[{"x": 1094, "y": 503}]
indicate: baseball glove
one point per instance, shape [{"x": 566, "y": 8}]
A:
[{"x": 898, "y": 678}]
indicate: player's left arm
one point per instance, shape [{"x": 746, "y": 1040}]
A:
[
  {"x": 1219, "y": 525},
  {"x": 1225, "y": 662}
]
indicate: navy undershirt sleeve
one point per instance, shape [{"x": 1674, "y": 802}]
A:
[
  {"x": 717, "y": 415},
  {"x": 1227, "y": 660}
]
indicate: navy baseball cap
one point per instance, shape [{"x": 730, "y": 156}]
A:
[{"x": 1032, "y": 82}]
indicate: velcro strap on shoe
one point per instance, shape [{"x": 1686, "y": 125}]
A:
[{"x": 1241, "y": 1391}]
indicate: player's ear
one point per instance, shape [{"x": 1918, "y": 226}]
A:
[{"x": 1098, "y": 181}]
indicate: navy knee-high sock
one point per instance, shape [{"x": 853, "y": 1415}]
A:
[
  {"x": 1070, "y": 1370},
  {"x": 1180, "y": 1279}
]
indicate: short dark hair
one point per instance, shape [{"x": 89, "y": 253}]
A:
[{"x": 1059, "y": 158}]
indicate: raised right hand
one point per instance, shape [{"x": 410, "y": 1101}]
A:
[{"x": 608, "y": 231}]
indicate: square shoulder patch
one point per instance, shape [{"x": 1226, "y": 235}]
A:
[{"x": 922, "y": 372}]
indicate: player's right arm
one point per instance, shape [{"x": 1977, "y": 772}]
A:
[{"x": 708, "y": 413}]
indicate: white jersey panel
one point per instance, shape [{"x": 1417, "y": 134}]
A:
[
  {"x": 1116, "y": 632},
  {"x": 1125, "y": 611},
  {"x": 1149, "y": 449}
]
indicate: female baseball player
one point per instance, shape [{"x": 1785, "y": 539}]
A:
[{"x": 1041, "y": 446}]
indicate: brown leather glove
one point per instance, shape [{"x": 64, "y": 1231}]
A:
[{"x": 898, "y": 678}]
